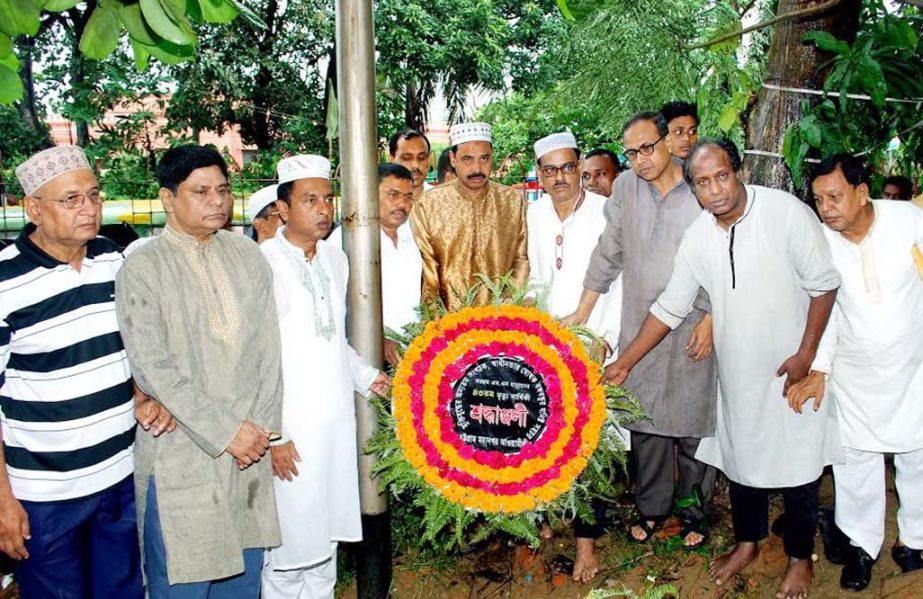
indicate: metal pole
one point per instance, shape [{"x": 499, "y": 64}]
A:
[{"x": 355, "y": 42}]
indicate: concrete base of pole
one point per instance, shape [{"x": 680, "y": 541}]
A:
[{"x": 373, "y": 557}]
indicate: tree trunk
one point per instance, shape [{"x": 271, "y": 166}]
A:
[
  {"x": 78, "y": 68},
  {"x": 27, "y": 106},
  {"x": 790, "y": 63},
  {"x": 413, "y": 111},
  {"x": 262, "y": 130}
]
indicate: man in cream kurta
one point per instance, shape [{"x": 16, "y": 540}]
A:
[
  {"x": 761, "y": 256},
  {"x": 315, "y": 462},
  {"x": 203, "y": 339},
  {"x": 873, "y": 353},
  {"x": 471, "y": 226}
]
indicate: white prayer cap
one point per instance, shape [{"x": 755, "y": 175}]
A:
[
  {"x": 465, "y": 132},
  {"x": 48, "y": 164},
  {"x": 555, "y": 141},
  {"x": 260, "y": 199},
  {"x": 303, "y": 166}
]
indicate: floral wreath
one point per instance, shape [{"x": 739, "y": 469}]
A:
[{"x": 426, "y": 460}]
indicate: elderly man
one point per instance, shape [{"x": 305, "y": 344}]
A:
[
  {"x": 267, "y": 213},
  {"x": 774, "y": 299},
  {"x": 683, "y": 124},
  {"x": 67, "y": 504},
  {"x": 410, "y": 149},
  {"x": 471, "y": 226},
  {"x": 564, "y": 225},
  {"x": 401, "y": 263},
  {"x": 203, "y": 338},
  {"x": 651, "y": 206},
  {"x": 317, "y": 489},
  {"x": 600, "y": 168},
  {"x": 872, "y": 352}
]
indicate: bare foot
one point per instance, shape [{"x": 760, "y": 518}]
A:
[
  {"x": 585, "y": 565},
  {"x": 728, "y": 565},
  {"x": 797, "y": 580},
  {"x": 546, "y": 532}
]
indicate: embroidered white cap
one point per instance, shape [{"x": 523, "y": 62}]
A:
[
  {"x": 555, "y": 141},
  {"x": 48, "y": 164},
  {"x": 303, "y": 166},
  {"x": 465, "y": 132},
  {"x": 260, "y": 199}
]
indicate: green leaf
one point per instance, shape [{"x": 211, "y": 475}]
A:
[
  {"x": 142, "y": 56},
  {"x": 872, "y": 80},
  {"x": 168, "y": 21},
  {"x": 810, "y": 130},
  {"x": 20, "y": 16},
  {"x": 10, "y": 85},
  {"x": 728, "y": 118},
  {"x": 900, "y": 33},
  {"x": 218, "y": 11},
  {"x": 248, "y": 15},
  {"x": 101, "y": 35},
  {"x": 729, "y": 45},
  {"x": 6, "y": 45},
  {"x": 59, "y": 5},
  {"x": 169, "y": 53},
  {"x": 565, "y": 10},
  {"x": 826, "y": 42},
  {"x": 137, "y": 27}
]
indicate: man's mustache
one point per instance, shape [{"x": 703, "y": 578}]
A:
[{"x": 475, "y": 176}]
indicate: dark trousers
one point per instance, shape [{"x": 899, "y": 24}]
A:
[
  {"x": 750, "y": 513},
  {"x": 585, "y": 530},
  {"x": 86, "y": 547},
  {"x": 656, "y": 459}
]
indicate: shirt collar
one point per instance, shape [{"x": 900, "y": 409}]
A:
[
  {"x": 30, "y": 250},
  {"x": 751, "y": 200}
]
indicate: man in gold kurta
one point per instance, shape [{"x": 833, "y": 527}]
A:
[{"x": 470, "y": 226}]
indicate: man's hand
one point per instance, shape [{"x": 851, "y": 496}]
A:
[
  {"x": 249, "y": 444},
  {"x": 381, "y": 385},
  {"x": 574, "y": 320},
  {"x": 700, "y": 342},
  {"x": 392, "y": 352},
  {"x": 810, "y": 386},
  {"x": 615, "y": 374},
  {"x": 152, "y": 415},
  {"x": 14, "y": 527},
  {"x": 284, "y": 457},
  {"x": 795, "y": 369}
]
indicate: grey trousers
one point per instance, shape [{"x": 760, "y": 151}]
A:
[{"x": 657, "y": 459}]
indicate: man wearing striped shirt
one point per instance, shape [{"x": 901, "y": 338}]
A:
[{"x": 67, "y": 508}]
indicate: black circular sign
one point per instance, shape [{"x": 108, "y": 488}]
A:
[{"x": 499, "y": 404}]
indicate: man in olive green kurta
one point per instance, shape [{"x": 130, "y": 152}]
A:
[{"x": 199, "y": 322}]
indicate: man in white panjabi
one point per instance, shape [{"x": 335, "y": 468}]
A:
[
  {"x": 760, "y": 255},
  {"x": 315, "y": 462},
  {"x": 563, "y": 226},
  {"x": 872, "y": 352}
]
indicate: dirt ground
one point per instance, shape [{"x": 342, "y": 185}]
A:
[{"x": 505, "y": 571}]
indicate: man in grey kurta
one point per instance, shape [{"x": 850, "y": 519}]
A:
[
  {"x": 199, "y": 322},
  {"x": 761, "y": 256},
  {"x": 650, "y": 207}
]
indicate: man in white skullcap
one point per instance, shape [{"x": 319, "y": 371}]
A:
[
  {"x": 315, "y": 461},
  {"x": 564, "y": 224},
  {"x": 202, "y": 337},
  {"x": 67, "y": 497},
  {"x": 471, "y": 226},
  {"x": 266, "y": 213},
  {"x": 650, "y": 208}
]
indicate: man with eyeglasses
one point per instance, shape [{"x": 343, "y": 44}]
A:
[
  {"x": 401, "y": 263},
  {"x": 683, "y": 123},
  {"x": 761, "y": 256},
  {"x": 267, "y": 213},
  {"x": 650, "y": 207},
  {"x": 564, "y": 224},
  {"x": 67, "y": 497},
  {"x": 600, "y": 168},
  {"x": 471, "y": 226}
]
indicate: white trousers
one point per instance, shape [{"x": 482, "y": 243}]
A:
[
  {"x": 314, "y": 582},
  {"x": 860, "y": 498}
]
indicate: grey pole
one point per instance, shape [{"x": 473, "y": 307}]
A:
[{"x": 355, "y": 42}]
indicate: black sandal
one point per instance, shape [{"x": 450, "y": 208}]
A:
[
  {"x": 691, "y": 524},
  {"x": 649, "y": 529},
  {"x": 908, "y": 559}
]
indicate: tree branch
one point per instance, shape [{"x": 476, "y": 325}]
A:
[{"x": 805, "y": 12}]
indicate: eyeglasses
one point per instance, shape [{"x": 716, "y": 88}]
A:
[
  {"x": 645, "y": 150},
  {"x": 272, "y": 215},
  {"x": 75, "y": 200},
  {"x": 393, "y": 195},
  {"x": 550, "y": 170}
]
